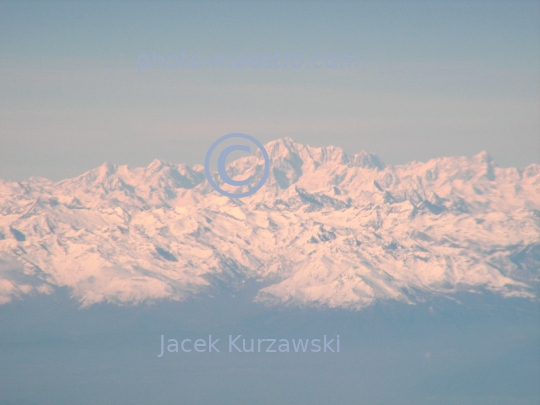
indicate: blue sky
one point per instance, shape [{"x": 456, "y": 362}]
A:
[{"x": 434, "y": 79}]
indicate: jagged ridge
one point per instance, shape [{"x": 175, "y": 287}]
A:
[{"x": 326, "y": 229}]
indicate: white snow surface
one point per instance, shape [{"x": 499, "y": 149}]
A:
[{"x": 327, "y": 229}]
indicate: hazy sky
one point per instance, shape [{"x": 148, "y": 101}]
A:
[{"x": 434, "y": 79}]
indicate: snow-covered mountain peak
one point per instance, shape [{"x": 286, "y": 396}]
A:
[
  {"x": 287, "y": 150},
  {"x": 101, "y": 173},
  {"x": 367, "y": 160}
]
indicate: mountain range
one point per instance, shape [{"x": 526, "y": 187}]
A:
[{"x": 327, "y": 229}]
